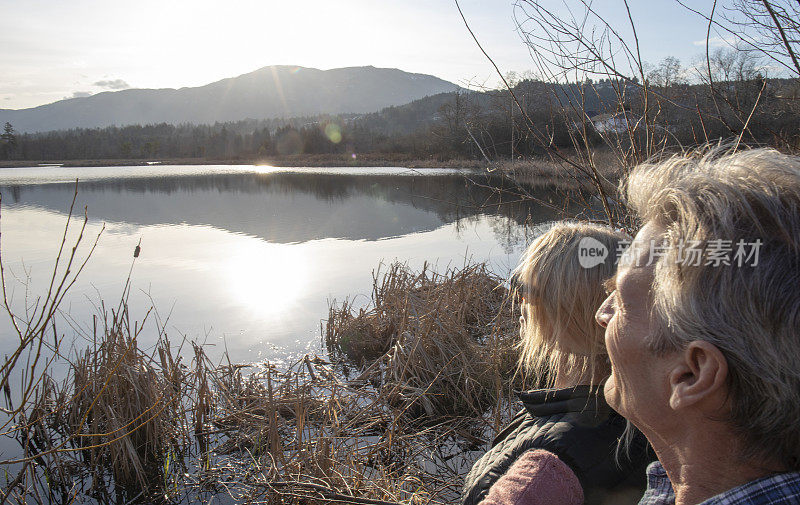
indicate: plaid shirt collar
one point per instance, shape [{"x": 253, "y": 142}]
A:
[{"x": 778, "y": 489}]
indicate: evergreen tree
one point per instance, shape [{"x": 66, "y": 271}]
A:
[{"x": 8, "y": 141}]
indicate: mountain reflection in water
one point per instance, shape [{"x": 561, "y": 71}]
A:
[{"x": 292, "y": 207}]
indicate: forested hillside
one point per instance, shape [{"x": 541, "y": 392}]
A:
[{"x": 531, "y": 119}]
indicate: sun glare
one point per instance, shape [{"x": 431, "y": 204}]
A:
[
  {"x": 267, "y": 278},
  {"x": 265, "y": 169}
]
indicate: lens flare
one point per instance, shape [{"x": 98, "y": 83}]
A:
[{"x": 333, "y": 132}]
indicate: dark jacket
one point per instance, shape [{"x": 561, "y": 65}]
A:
[{"x": 578, "y": 426}]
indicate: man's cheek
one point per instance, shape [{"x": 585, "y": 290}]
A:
[{"x": 611, "y": 346}]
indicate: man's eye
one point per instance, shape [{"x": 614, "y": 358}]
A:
[
  {"x": 612, "y": 297},
  {"x": 610, "y": 285},
  {"x": 615, "y": 299}
]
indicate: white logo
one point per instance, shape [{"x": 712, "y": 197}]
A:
[{"x": 591, "y": 252}]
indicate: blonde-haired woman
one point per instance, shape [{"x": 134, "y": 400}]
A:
[{"x": 562, "y": 447}]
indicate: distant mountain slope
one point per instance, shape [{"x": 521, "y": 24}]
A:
[{"x": 270, "y": 92}]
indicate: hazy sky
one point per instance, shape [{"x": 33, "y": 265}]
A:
[{"x": 52, "y": 49}]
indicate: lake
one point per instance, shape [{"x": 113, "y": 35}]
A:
[{"x": 247, "y": 258}]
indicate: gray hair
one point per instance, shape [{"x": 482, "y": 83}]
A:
[{"x": 750, "y": 311}]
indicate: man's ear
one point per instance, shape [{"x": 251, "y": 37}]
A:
[{"x": 700, "y": 371}]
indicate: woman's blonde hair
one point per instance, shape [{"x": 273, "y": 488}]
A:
[{"x": 561, "y": 292}]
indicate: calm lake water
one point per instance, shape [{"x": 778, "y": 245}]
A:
[{"x": 246, "y": 258}]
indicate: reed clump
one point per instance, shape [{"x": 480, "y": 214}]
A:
[
  {"x": 303, "y": 434},
  {"x": 436, "y": 342},
  {"x": 126, "y": 416}
]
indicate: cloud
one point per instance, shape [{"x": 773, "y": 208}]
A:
[
  {"x": 113, "y": 84},
  {"x": 80, "y": 94},
  {"x": 716, "y": 42}
]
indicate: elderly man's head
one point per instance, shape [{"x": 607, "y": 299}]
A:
[{"x": 704, "y": 319}]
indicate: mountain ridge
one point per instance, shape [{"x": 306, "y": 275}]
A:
[{"x": 268, "y": 92}]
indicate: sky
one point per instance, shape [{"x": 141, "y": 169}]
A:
[{"x": 56, "y": 49}]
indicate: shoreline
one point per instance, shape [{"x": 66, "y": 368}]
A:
[
  {"x": 533, "y": 171},
  {"x": 364, "y": 160},
  {"x": 540, "y": 166}
]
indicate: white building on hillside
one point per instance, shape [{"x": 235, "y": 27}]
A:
[{"x": 610, "y": 123}]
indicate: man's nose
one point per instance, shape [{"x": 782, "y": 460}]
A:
[{"x": 604, "y": 313}]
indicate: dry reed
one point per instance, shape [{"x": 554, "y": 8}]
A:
[
  {"x": 436, "y": 343},
  {"x": 123, "y": 416}
]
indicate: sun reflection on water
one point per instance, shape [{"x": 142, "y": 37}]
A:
[
  {"x": 264, "y": 169},
  {"x": 267, "y": 278}
]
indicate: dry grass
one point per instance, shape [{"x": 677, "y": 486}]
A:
[
  {"x": 114, "y": 429},
  {"x": 304, "y": 433},
  {"x": 438, "y": 343},
  {"x": 561, "y": 174},
  {"x": 129, "y": 426},
  {"x": 123, "y": 415}
]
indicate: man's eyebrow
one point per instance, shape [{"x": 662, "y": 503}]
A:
[{"x": 610, "y": 284}]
